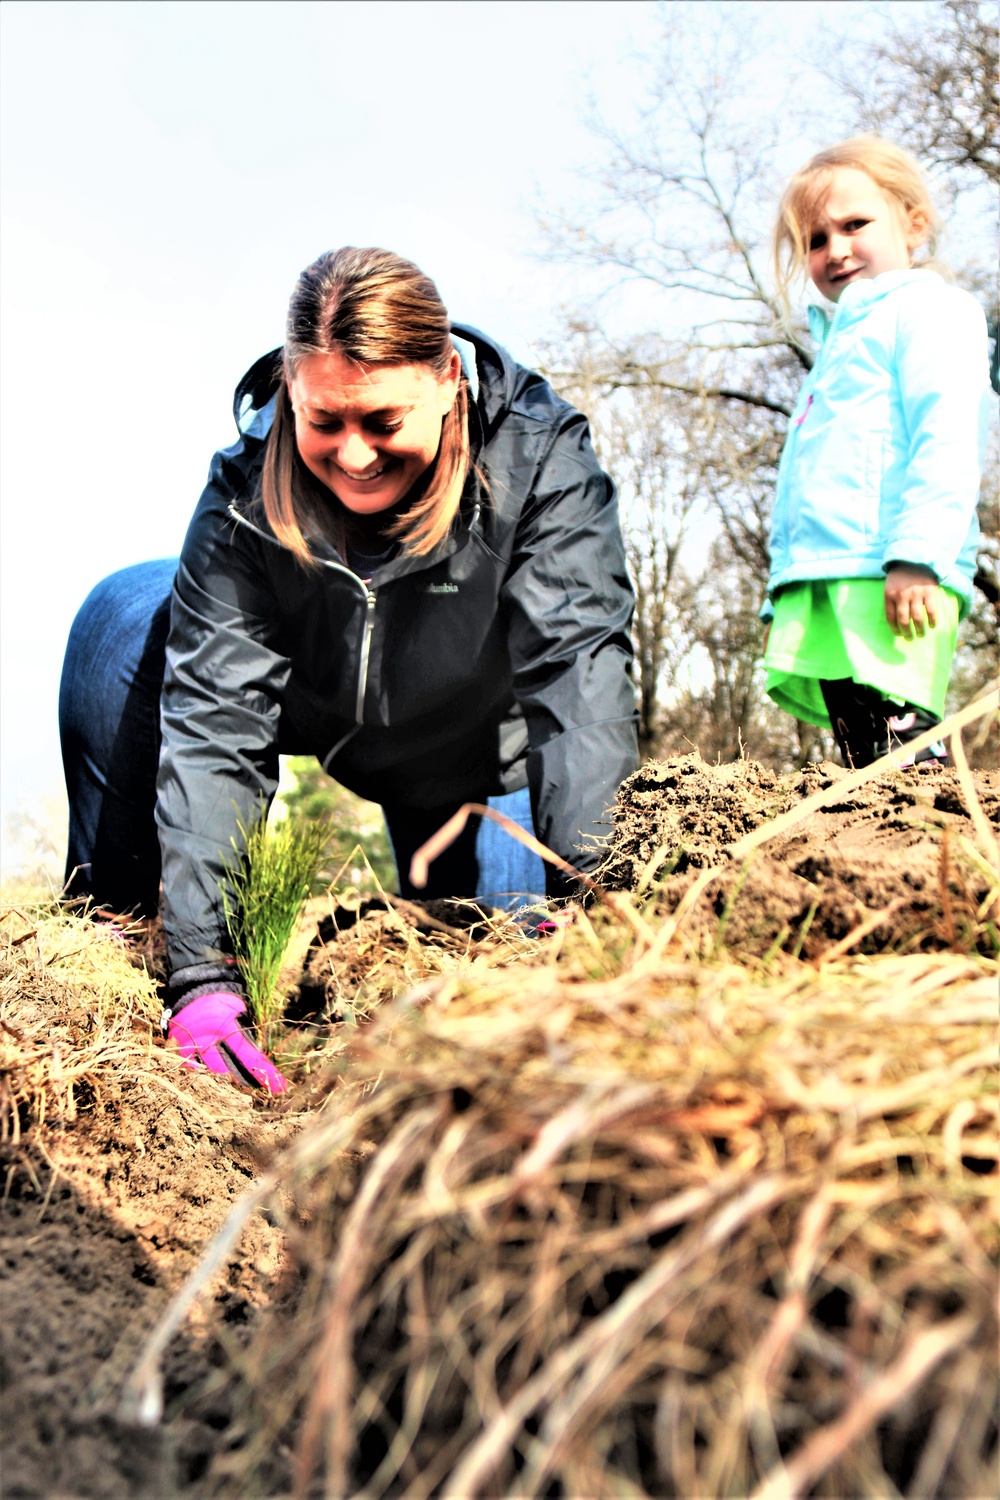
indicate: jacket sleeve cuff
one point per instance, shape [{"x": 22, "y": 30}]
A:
[
  {"x": 902, "y": 562},
  {"x": 574, "y": 778},
  {"x": 185, "y": 985}
]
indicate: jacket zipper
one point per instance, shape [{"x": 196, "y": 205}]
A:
[
  {"x": 369, "y": 625},
  {"x": 367, "y": 629},
  {"x": 366, "y": 646}
]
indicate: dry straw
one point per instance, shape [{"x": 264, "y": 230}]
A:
[
  {"x": 687, "y": 1235},
  {"x": 70, "y": 1003},
  {"x": 613, "y": 1222}
]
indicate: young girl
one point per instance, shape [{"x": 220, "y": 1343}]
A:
[{"x": 874, "y": 535}]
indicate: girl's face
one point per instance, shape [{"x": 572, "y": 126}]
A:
[
  {"x": 858, "y": 232},
  {"x": 368, "y": 432}
]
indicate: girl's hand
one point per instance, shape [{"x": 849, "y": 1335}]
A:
[{"x": 910, "y": 595}]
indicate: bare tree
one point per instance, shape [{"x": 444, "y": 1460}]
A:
[
  {"x": 682, "y": 207},
  {"x": 932, "y": 82},
  {"x": 714, "y": 701},
  {"x": 660, "y": 490},
  {"x": 640, "y": 440},
  {"x": 691, "y": 419}
]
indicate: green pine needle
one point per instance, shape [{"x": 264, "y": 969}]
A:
[{"x": 269, "y": 882}]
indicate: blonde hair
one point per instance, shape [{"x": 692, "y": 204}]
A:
[
  {"x": 376, "y": 308},
  {"x": 894, "y": 170}
]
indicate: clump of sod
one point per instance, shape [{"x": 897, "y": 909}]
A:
[
  {"x": 613, "y": 1222},
  {"x": 268, "y": 885},
  {"x": 610, "y": 1220},
  {"x": 73, "y": 1009}
]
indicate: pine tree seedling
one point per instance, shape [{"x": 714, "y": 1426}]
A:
[{"x": 269, "y": 883}]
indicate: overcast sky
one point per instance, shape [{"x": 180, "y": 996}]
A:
[{"x": 168, "y": 168}]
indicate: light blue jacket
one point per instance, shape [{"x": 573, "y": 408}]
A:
[{"x": 886, "y": 444}]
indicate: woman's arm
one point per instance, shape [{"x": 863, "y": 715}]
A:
[
  {"x": 570, "y": 611},
  {"x": 219, "y": 715}
]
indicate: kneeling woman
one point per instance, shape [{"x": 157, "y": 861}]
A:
[{"x": 409, "y": 565}]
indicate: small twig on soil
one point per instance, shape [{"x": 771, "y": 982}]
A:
[
  {"x": 449, "y": 832},
  {"x": 421, "y": 918}
]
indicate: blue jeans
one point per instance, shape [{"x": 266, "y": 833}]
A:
[{"x": 109, "y": 724}]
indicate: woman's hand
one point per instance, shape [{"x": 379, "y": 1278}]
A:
[
  {"x": 207, "y": 1033},
  {"x": 910, "y": 598}
]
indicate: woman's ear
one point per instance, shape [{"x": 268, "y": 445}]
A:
[{"x": 449, "y": 383}]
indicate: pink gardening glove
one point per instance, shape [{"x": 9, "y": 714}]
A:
[
  {"x": 553, "y": 921},
  {"x": 208, "y": 1034}
]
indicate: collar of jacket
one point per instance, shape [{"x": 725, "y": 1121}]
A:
[{"x": 855, "y": 301}]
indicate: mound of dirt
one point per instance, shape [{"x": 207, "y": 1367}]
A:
[
  {"x": 358, "y": 952},
  {"x": 895, "y": 857}
]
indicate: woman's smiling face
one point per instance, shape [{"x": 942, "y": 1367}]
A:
[
  {"x": 859, "y": 232},
  {"x": 369, "y": 432}
]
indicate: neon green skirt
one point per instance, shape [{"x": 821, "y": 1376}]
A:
[{"x": 836, "y": 627}]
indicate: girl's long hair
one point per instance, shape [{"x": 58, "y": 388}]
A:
[
  {"x": 894, "y": 170},
  {"x": 376, "y": 308}
]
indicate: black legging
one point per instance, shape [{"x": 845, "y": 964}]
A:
[{"x": 868, "y": 725}]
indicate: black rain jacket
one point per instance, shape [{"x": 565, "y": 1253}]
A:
[{"x": 501, "y": 659}]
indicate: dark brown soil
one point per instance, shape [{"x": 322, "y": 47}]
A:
[
  {"x": 103, "y": 1217},
  {"x": 899, "y": 845},
  {"x": 105, "y": 1213}
]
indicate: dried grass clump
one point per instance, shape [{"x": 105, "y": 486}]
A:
[
  {"x": 671, "y": 1231},
  {"x": 80, "y": 1035},
  {"x": 73, "y": 1008}
]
